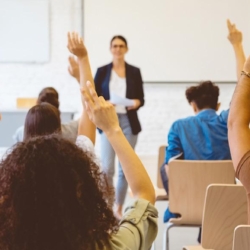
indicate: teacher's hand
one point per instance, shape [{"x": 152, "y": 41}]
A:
[{"x": 136, "y": 105}]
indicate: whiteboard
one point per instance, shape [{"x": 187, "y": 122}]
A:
[
  {"x": 24, "y": 29},
  {"x": 169, "y": 40}
]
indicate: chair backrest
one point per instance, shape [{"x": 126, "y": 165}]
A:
[
  {"x": 241, "y": 239},
  {"x": 225, "y": 208},
  {"x": 161, "y": 158},
  {"x": 25, "y": 102},
  {"x": 188, "y": 181}
]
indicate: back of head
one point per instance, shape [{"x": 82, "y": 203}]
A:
[
  {"x": 53, "y": 196},
  {"x": 49, "y": 95},
  {"x": 42, "y": 119},
  {"x": 205, "y": 95}
]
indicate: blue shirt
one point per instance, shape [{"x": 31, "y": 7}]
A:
[{"x": 200, "y": 137}]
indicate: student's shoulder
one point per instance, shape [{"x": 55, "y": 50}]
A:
[{"x": 184, "y": 121}]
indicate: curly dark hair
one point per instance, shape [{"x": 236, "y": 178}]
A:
[
  {"x": 205, "y": 95},
  {"x": 53, "y": 196}
]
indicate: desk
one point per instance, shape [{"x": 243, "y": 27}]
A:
[{"x": 13, "y": 119}]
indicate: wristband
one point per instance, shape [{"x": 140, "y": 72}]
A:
[{"x": 245, "y": 73}]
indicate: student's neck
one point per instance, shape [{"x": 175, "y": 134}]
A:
[{"x": 199, "y": 110}]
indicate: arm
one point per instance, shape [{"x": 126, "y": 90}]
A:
[
  {"x": 174, "y": 149},
  {"x": 103, "y": 114},
  {"x": 76, "y": 47},
  {"x": 235, "y": 38},
  {"x": 239, "y": 118},
  {"x": 74, "y": 68}
]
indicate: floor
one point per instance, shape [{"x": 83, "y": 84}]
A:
[{"x": 178, "y": 236}]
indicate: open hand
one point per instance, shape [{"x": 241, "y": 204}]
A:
[
  {"x": 74, "y": 68},
  {"x": 234, "y": 36},
  {"x": 100, "y": 112},
  {"x": 76, "y": 46}
]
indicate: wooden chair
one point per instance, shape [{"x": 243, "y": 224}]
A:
[
  {"x": 25, "y": 102},
  {"x": 188, "y": 181},
  {"x": 241, "y": 240},
  {"x": 160, "y": 192},
  {"x": 225, "y": 208}
]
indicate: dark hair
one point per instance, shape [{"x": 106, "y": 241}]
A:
[
  {"x": 53, "y": 196},
  {"x": 119, "y": 37},
  {"x": 49, "y": 95},
  {"x": 205, "y": 95},
  {"x": 42, "y": 119}
]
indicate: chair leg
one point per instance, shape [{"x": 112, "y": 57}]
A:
[{"x": 166, "y": 236}]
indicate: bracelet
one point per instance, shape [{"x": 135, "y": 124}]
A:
[{"x": 245, "y": 73}]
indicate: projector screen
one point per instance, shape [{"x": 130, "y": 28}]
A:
[{"x": 169, "y": 40}]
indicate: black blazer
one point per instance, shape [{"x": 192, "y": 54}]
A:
[{"x": 134, "y": 90}]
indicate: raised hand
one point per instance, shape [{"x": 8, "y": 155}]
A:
[
  {"x": 100, "y": 112},
  {"x": 234, "y": 35},
  {"x": 76, "y": 46},
  {"x": 74, "y": 68}
]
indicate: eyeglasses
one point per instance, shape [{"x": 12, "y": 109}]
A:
[{"x": 121, "y": 46}]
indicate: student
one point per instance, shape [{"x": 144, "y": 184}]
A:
[
  {"x": 50, "y": 95},
  {"x": 53, "y": 195}
]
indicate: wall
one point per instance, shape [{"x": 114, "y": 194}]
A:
[{"x": 164, "y": 102}]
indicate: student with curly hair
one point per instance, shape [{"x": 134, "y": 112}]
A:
[{"x": 54, "y": 196}]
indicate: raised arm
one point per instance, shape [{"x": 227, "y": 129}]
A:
[
  {"x": 239, "y": 118},
  {"x": 76, "y": 47},
  {"x": 235, "y": 38},
  {"x": 103, "y": 114},
  {"x": 74, "y": 68}
]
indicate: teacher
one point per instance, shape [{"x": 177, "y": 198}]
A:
[{"x": 124, "y": 81}]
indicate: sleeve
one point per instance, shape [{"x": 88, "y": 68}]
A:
[
  {"x": 138, "y": 227},
  {"x": 140, "y": 91},
  {"x": 85, "y": 144},
  {"x": 18, "y": 136},
  {"x": 174, "y": 149}
]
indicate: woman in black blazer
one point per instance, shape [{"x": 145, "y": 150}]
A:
[{"x": 123, "y": 80}]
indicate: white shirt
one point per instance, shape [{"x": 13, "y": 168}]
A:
[{"x": 118, "y": 86}]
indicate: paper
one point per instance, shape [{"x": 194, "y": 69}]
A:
[{"x": 118, "y": 100}]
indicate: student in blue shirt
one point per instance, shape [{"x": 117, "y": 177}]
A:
[{"x": 199, "y": 137}]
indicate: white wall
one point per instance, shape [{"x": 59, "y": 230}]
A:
[
  {"x": 164, "y": 102},
  {"x": 171, "y": 40}
]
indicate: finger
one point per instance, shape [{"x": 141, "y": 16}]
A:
[
  {"x": 87, "y": 99},
  {"x": 229, "y": 25},
  {"x": 93, "y": 93},
  {"x": 70, "y": 71},
  {"x": 69, "y": 41}
]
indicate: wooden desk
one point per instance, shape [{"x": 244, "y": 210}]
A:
[{"x": 13, "y": 119}]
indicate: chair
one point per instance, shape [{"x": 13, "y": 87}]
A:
[
  {"x": 188, "y": 181},
  {"x": 241, "y": 240},
  {"x": 160, "y": 192},
  {"x": 225, "y": 208},
  {"x": 25, "y": 102}
]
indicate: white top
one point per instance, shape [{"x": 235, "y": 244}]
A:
[
  {"x": 118, "y": 86},
  {"x": 85, "y": 144}
]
